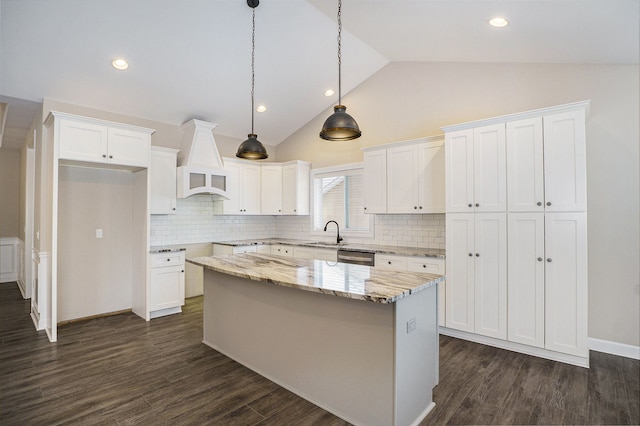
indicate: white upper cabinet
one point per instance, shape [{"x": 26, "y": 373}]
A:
[
  {"x": 405, "y": 177},
  {"x": 295, "y": 188},
  {"x": 243, "y": 188},
  {"x": 98, "y": 141},
  {"x": 271, "y": 199},
  {"x": 525, "y": 172},
  {"x": 375, "y": 181},
  {"x": 162, "y": 180},
  {"x": 546, "y": 163},
  {"x": 475, "y": 170},
  {"x": 565, "y": 162}
]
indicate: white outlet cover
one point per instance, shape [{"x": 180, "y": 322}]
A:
[{"x": 98, "y": 233}]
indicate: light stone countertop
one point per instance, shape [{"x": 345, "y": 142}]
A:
[
  {"x": 319, "y": 276},
  {"x": 399, "y": 251}
]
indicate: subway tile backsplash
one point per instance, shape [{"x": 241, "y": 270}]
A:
[{"x": 195, "y": 222}]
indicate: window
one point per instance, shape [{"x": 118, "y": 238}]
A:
[{"x": 338, "y": 195}]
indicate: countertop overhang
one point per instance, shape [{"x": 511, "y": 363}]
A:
[{"x": 333, "y": 278}]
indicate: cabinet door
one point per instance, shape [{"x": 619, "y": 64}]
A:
[
  {"x": 271, "y": 192},
  {"x": 375, "y": 181},
  {"x": 167, "y": 288},
  {"x": 431, "y": 177},
  {"x": 162, "y": 182},
  {"x": 491, "y": 274},
  {"x": 234, "y": 184},
  {"x": 83, "y": 141},
  {"x": 525, "y": 173},
  {"x": 566, "y": 283},
  {"x": 525, "y": 278},
  {"x": 128, "y": 148},
  {"x": 565, "y": 162},
  {"x": 402, "y": 179},
  {"x": 489, "y": 169},
  {"x": 460, "y": 272},
  {"x": 251, "y": 189},
  {"x": 282, "y": 250},
  {"x": 295, "y": 188},
  {"x": 459, "y": 171}
]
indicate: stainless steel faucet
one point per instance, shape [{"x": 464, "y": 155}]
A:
[{"x": 339, "y": 238}]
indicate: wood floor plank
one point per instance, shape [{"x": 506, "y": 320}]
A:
[{"x": 121, "y": 370}]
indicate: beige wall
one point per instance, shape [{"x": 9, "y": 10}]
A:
[
  {"x": 410, "y": 100},
  {"x": 10, "y": 171}
]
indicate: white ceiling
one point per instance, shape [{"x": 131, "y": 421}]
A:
[{"x": 192, "y": 58}]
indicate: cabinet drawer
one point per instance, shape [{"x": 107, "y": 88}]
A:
[
  {"x": 396, "y": 263},
  {"x": 161, "y": 260},
  {"x": 431, "y": 266},
  {"x": 282, "y": 250},
  {"x": 245, "y": 249}
]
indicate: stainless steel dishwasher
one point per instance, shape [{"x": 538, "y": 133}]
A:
[{"x": 357, "y": 257}]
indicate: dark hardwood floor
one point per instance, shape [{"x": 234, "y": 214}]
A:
[{"x": 121, "y": 370}]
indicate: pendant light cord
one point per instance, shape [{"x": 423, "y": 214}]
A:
[
  {"x": 253, "y": 66},
  {"x": 339, "y": 52}
]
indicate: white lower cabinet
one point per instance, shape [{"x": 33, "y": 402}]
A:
[
  {"x": 477, "y": 273},
  {"x": 166, "y": 295},
  {"x": 418, "y": 264},
  {"x": 222, "y": 249},
  {"x": 282, "y": 250}
]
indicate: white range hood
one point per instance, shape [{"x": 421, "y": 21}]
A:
[{"x": 200, "y": 168}]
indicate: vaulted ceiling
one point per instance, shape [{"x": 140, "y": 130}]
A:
[{"x": 192, "y": 58}]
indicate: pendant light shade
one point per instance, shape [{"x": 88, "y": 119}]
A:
[
  {"x": 340, "y": 126},
  {"x": 252, "y": 148}
]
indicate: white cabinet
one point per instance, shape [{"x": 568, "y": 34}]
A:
[
  {"x": 166, "y": 292},
  {"x": 222, "y": 249},
  {"x": 271, "y": 193},
  {"x": 295, "y": 188},
  {"x": 475, "y": 169},
  {"x": 476, "y": 247},
  {"x": 525, "y": 278},
  {"x": 162, "y": 180},
  {"x": 243, "y": 188},
  {"x": 282, "y": 250},
  {"x": 99, "y": 141},
  {"x": 566, "y": 283},
  {"x": 315, "y": 253},
  {"x": 415, "y": 178},
  {"x": 546, "y": 163},
  {"x": 375, "y": 181}
]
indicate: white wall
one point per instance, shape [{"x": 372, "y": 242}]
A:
[
  {"x": 410, "y": 100},
  {"x": 10, "y": 193}
]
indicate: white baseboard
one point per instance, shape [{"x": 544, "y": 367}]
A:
[{"x": 614, "y": 348}]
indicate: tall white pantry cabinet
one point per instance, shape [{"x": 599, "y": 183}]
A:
[{"x": 516, "y": 232}]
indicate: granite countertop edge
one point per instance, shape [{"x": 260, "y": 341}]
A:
[{"x": 394, "y": 250}]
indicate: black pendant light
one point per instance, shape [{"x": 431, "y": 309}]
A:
[
  {"x": 252, "y": 148},
  {"x": 340, "y": 126}
]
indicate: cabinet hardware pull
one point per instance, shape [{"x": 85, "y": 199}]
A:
[
  {"x": 470, "y": 254},
  {"x": 424, "y": 266},
  {"x": 182, "y": 271},
  {"x": 415, "y": 207},
  {"x": 104, "y": 155},
  {"x": 365, "y": 208},
  {"x": 548, "y": 203},
  {"x": 168, "y": 260},
  {"x": 539, "y": 259},
  {"x": 420, "y": 207},
  {"x": 549, "y": 259},
  {"x": 477, "y": 254},
  {"x": 539, "y": 203},
  {"x": 470, "y": 205},
  {"x": 111, "y": 156},
  {"x": 477, "y": 204},
  {"x": 389, "y": 262}
]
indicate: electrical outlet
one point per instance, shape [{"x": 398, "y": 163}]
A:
[
  {"x": 411, "y": 325},
  {"x": 98, "y": 233}
]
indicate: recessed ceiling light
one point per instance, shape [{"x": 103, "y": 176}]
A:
[
  {"x": 120, "y": 64},
  {"x": 498, "y": 22},
  {"x": 329, "y": 92},
  {"x": 261, "y": 108}
]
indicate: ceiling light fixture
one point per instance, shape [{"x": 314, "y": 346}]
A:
[
  {"x": 261, "y": 108},
  {"x": 252, "y": 148},
  {"x": 329, "y": 92},
  {"x": 120, "y": 64},
  {"x": 498, "y": 22},
  {"x": 340, "y": 126}
]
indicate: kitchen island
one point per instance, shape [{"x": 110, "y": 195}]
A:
[{"x": 359, "y": 342}]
